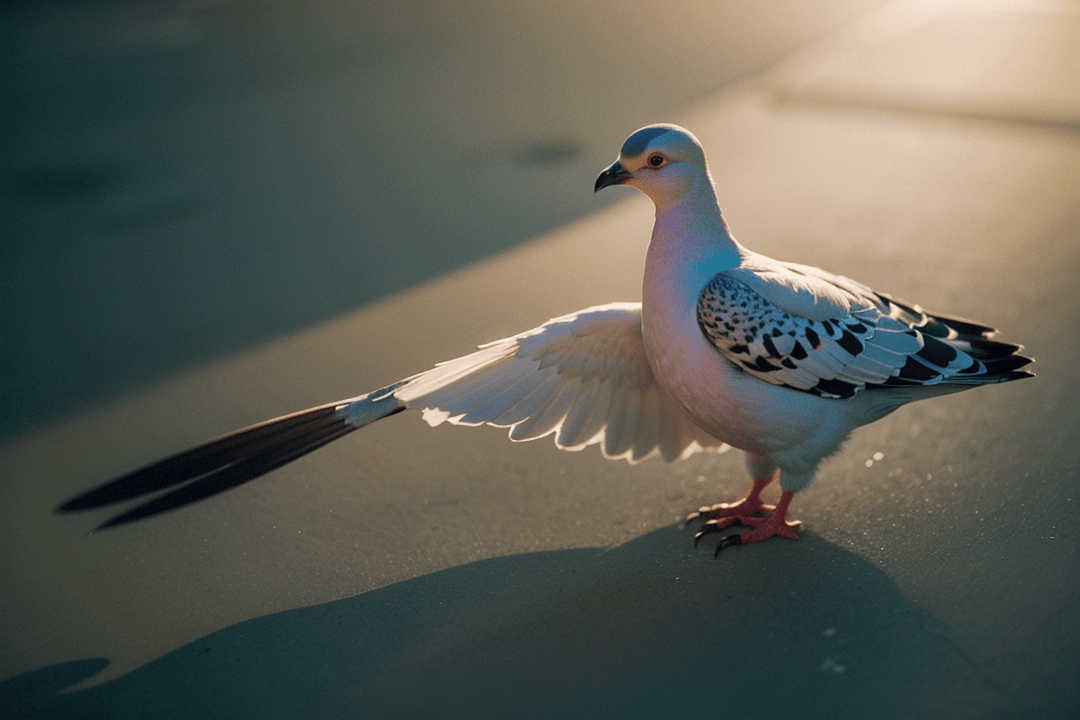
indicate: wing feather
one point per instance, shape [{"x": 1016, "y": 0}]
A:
[
  {"x": 500, "y": 400},
  {"x": 582, "y": 421},
  {"x": 778, "y": 322},
  {"x": 583, "y": 376},
  {"x": 534, "y": 402},
  {"x": 648, "y": 430},
  {"x": 546, "y": 421},
  {"x": 622, "y": 423}
]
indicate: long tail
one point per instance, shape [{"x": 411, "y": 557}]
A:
[{"x": 236, "y": 458}]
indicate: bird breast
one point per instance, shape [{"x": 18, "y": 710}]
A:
[{"x": 706, "y": 386}]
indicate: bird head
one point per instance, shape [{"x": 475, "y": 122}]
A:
[{"x": 662, "y": 161}]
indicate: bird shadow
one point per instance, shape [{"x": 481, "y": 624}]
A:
[{"x": 646, "y": 629}]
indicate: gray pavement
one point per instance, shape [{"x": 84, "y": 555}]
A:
[{"x": 407, "y": 571}]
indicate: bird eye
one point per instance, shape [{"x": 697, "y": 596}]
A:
[{"x": 655, "y": 160}]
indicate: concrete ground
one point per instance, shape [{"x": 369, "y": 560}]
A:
[{"x": 222, "y": 212}]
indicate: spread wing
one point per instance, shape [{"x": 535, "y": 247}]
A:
[
  {"x": 799, "y": 327},
  {"x": 583, "y": 377}
]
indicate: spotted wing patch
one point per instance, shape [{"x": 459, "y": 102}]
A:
[{"x": 877, "y": 344}]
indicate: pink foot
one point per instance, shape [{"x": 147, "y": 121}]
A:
[
  {"x": 775, "y": 523},
  {"x": 770, "y": 526},
  {"x": 745, "y": 507}
]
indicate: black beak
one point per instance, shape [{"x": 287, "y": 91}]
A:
[{"x": 613, "y": 175}]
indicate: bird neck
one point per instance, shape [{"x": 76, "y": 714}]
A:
[{"x": 691, "y": 239}]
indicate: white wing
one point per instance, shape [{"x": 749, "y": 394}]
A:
[{"x": 582, "y": 376}]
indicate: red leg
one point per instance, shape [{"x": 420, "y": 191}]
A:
[{"x": 749, "y": 504}]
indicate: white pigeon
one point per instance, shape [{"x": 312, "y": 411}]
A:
[{"x": 780, "y": 360}]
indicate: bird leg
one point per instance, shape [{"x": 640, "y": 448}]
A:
[
  {"x": 746, "y": 512},
  {"x": 749, "y": 504}
]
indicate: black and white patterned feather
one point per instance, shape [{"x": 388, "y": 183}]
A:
[{"x": 878, "y": 342}]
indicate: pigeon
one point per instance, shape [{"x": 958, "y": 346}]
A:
[{"x": 727, "y": 348}]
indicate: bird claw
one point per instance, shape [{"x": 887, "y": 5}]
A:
[
  {"x": 726, "y": 542},
  {"x": 716, "y": 525},
  {"x": 766, "y": 520},
  {"x": 712, "y": 526},
  {"x": 774, "y": 523}
]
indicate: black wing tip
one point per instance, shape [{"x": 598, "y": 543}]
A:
[
  {"x": 112, "y": 522},
  {"x": 214, "y": 466},
  {"x": 1004, "y": 377},
  {"x": 145, "y": 480},
  {"x": 170, "y": 501},
  {"x": 75, "y": 504},
  {"x": 233, "y": 459},
  {"x": 208, "y": 457},
  {"x": 1009, "y": 365},
  {"x": 137, "y": 513},
  {"x": 109, "y": 493},
  {"x": 89, "y": 500}
]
